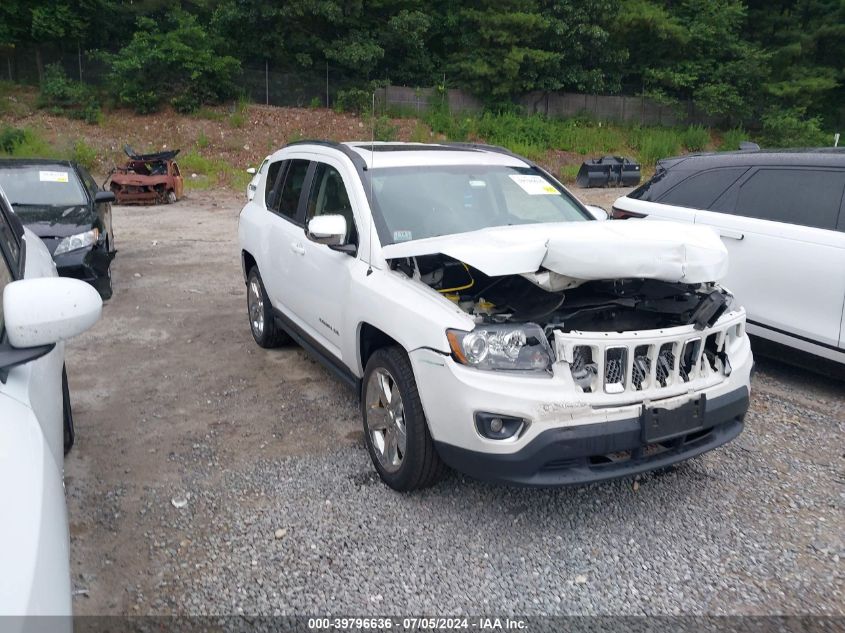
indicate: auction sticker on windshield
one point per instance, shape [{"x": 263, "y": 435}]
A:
[
  {"x": 53, "y": 176},
  {"x": 534, "y": 185}
]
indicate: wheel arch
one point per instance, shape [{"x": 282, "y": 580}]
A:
[
  {"x": 247, "y": 262},
  {"x": 371, "y": 339}
]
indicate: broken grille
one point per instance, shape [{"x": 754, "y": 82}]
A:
[{"x": 615, "y": 367}]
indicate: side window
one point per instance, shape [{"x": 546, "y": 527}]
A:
[
  {"x": 809, "y": 197},
  {"x": 5, "y": 278},
  {"x": 701, "y": 190},
  {"x": 90, "y": 184},
  {"x": 176, "y": 171},
  {"x": 328, "y": 197},
  {"x": 9, "y": 243},
  {"x": 270, "y": 182},
  {"x": 288, "y": 199}
]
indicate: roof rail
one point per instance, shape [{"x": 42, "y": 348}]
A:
[
  {"x": 498, "y": 149},
  {"x": 354, "y": 156}
]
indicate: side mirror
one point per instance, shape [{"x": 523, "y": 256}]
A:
[
  {"x": 48, "y": 310},
  {"x": 104, "y": 196},
  {"x": 250, "y": 171},
  {"x": 598, "y": 212},
  {"x": 327, "y": 229}
]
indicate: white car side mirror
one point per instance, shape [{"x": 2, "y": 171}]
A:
[
  {"x": 327, "y": 229},
  {"x": 597, "y": 212},
  {"x": 250, "y": 171},
  {"x": 48, "y": 310}
]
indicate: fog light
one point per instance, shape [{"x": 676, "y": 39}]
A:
[{"x": 499, "y": 427}]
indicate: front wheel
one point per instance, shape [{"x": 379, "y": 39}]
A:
[{"x": 395, "y": 428}]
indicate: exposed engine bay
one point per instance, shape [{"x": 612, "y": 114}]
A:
[{"x": 617, "y": 305}]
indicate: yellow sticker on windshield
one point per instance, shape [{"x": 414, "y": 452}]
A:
[
  {"x": 52, "y": 176},
  {"x": 534, "y": 185}
]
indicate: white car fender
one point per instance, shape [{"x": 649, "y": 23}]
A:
[
  {"x": 34, "y": 531},
  {"x": 407, "y": 309}
]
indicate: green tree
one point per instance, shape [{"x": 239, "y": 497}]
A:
[
  {"x": 693, "y": 49},
  {"x": 182, "y": 63}
]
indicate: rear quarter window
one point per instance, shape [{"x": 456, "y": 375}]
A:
[
  {"x": 807, "y": 197},
  {"x": 700, "y": 190}
]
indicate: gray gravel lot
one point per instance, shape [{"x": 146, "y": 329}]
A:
[{"x": 284, "y": 515}]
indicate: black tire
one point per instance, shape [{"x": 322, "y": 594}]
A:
[
  {"x": 67, "y": 413},
  {"x": 170, "y": 196},
  {"x": 269, "y": 335},
  {"x": 420, "y": 465}
]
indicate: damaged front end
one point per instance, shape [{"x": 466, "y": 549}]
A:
[{"x": 660, "y": 331}]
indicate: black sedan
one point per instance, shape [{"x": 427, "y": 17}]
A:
[{"x": 60, "y": 202}]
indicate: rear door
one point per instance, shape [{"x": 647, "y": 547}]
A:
[
  {"x": 787, "y": 261},
  {"x": 286, "y": 239}
]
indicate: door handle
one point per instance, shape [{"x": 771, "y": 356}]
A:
[
  {"x": 734, "y": 235},
  {"x": 297, "y": 248}
]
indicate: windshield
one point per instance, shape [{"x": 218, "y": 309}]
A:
[
  {"x": 42, "y": 185},
  {"x": 419, "y": 202}
]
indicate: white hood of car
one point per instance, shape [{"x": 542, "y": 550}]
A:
[{"x": 584, "y": 251}]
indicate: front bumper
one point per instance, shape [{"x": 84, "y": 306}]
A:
[
  {"x": 598, "y": 452},
  {"x": 563, "y": 422},
  {"x": 88, "y": 264}
]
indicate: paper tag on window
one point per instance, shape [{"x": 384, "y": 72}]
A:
[
  {"x": 402, "y": 236},
  {"x": 52, "y": 176},
  {"x": 534, "y": 185}
]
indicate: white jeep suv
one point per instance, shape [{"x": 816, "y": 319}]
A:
[{"x": 487, "y": 321}]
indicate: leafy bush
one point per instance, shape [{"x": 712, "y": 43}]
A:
[
  {"x": 177, "y": 62},
  {"x": 792, "y": 128},
  {"x": 732, "y": 138},
  {"x": 653, "y": 143},
  {"x": 25, "y": 143},
  {"x": 695, "y": 138},
  {"x": 84, "y": 154},
  {"x": 354, "y": 100},
  {"x": 10, "y": 138},
  {"x": 66, "y": 97}
]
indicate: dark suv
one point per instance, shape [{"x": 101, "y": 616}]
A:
[{"x": 781, "y": 213}]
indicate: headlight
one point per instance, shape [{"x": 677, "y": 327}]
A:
[
  {"x": 520, "y": 346},
  {"x": 75, "y": 242}
]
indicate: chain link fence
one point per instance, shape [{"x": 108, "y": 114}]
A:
[{"x": 320, "y": 87}]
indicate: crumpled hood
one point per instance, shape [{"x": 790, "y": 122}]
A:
[
  {"x": 584, "y": 251},
  {"x": 59, "y": 221}
]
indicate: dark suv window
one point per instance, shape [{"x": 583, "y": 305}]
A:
[
  {"x": 700, "y": 190},
  {"x": 270, "y": 182},
  {"x": 809, "y": 197},
  {"x": 288, "y": 200}
]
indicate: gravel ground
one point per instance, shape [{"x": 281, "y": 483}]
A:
[{"x": 281, "y": 513}]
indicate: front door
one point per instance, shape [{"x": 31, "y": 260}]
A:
[{"x": 324, "y": 274}]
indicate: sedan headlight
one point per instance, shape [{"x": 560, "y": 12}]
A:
[
  {"x": 75, "y": 242},
  {"x": 519, "y": 346}
]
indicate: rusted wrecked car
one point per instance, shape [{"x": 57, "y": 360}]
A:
[{"x": 147, "y": 178}]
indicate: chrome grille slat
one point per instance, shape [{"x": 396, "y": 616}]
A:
[{"x": 617, "y": 366}]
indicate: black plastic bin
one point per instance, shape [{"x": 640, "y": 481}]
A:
[{"x": 610, "y": 171}]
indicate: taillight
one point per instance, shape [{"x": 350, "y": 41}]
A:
[{"x": 621, "y": 214}]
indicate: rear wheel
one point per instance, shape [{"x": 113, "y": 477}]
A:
[
  {"x": 67, "y": 413},
  {"x": 262, "y": 323},
  {"x": 171, "y": 196},
  {"x": 395, "y": 428}
]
